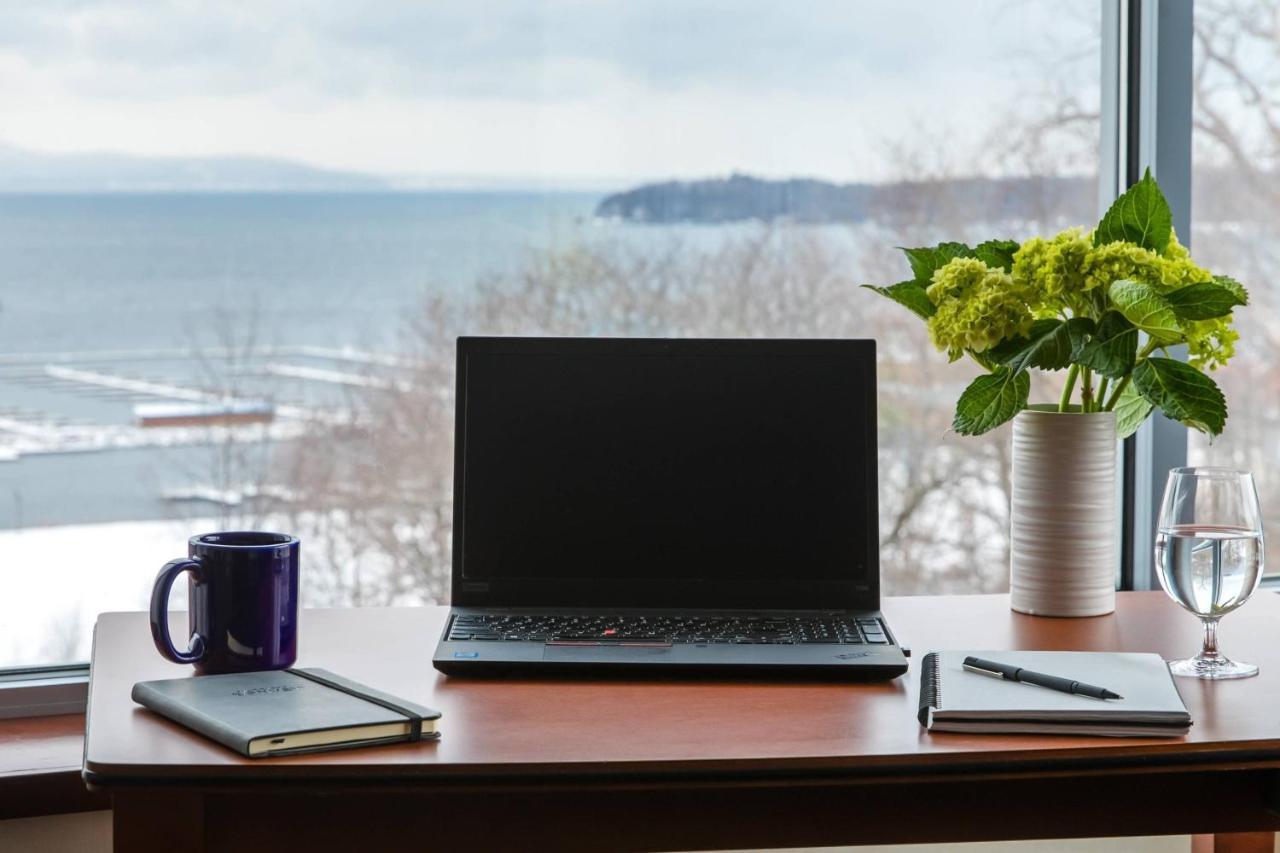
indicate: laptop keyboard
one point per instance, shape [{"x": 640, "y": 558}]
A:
[{"x": 765, "y": 630}]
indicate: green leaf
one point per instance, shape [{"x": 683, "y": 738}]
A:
[
  {"x": 1079, "y": 330},
  {"x": 925, "y": 261},
  {"x": 1142, "y": 306},
  {"x": 1236, "y": 288},
  {"x": 1203, "y": 301},
  {"x": 1010, "y": 348},
  {"x": 1131, "y": 410},
  {"x": 910, "y": 295},
  {"x": 983, "y": 358},
  {"x": 1183, "y": 393},
  {"x": 997, "y": 253},
  {"x": 1113, "y": 348},
  {"x": 1047, "y": 347},
  {"x": 991, "y": 400},
  {"x": 1140, "y": 215}
]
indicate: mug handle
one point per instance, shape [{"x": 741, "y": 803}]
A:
[{"x": 160, "y": 612}]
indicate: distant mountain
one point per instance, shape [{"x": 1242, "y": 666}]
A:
[
  {"x": 742, "y": 197},
  {"x": 30, "y": 171}
]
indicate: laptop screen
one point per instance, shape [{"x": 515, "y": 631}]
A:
[{"x": 667, "y": 472}]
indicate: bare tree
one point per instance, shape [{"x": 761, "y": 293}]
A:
[
  {"x": 237, "y": 459},
  {"x": 1236, "y": 221}
]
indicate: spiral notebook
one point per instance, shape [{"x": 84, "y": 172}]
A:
[{"x": 955, "y": 700}]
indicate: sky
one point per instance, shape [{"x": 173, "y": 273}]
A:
[{"x": 564, "y": 90}]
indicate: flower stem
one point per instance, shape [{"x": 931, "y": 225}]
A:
[
  {"x": 1086, "y": 391},
  {"x": 1115, "y": 395},
  {"x": 1065, "y": 402},
  {"x": 1124, "y": 382},
  {"x": 1102, "y": 392}
]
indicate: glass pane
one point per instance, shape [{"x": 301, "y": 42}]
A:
[
  {"x": 1235, "y": 229},
  {"x": 237, "y": 249}
]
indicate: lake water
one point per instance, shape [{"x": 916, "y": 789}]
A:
[
  {"x": 99, "y": 293},
  {"x": 133, "y": 271},
  {"x": 97, "y": 283}
]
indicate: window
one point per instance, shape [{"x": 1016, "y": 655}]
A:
[
  {"x": 1236, "y": 227},
  {"x": 238, "y": 246}
]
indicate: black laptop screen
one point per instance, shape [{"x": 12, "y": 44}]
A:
[{"x": 687, "y": 467}]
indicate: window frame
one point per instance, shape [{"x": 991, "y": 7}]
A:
[
  {"x": 41, "y": 691},
  {"x": 1148, "y": 75}
]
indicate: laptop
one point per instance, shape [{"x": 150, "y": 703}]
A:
[{"x": 674, "y": 507}]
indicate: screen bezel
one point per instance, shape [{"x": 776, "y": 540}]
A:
[{"x": 855, "y": 594}]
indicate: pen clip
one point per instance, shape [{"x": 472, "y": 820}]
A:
[{"x": 993, "y": 673}]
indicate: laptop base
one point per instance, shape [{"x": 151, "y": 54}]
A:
[{"x": 579, "y": 657}]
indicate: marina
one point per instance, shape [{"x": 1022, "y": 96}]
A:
[{"x": 146, "y": 423}]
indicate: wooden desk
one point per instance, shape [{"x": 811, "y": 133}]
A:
[{"x": 632, "y": 765}]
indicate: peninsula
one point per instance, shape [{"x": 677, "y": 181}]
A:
[{"x": 741, "y": 198}]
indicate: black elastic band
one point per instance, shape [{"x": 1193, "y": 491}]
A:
[{"x": 415, "y": 720}]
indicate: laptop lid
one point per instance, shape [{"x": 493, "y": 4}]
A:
[{"x": 665, "y": 473}]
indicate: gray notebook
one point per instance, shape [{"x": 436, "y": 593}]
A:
[
  {"x": 955, "y": 700},
  {"x": 287, "y": 711}
]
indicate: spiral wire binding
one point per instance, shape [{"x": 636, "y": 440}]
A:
[{"x": 930, "y": 687}]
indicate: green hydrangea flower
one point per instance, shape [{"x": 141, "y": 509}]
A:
[
  {"x": 1052, "y": 272},
  {"x": 989, "y": 300},
  {"x": 1063, "y": 272},
  {"x": 977, "y": 307},
  {"x": 1210, "y": 343},
  {"x": 1067, "y": 273},
  {"x": 1114, "y": 261},
  {"x": 1111, "y": 262}
]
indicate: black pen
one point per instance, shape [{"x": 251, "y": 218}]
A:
[{"x": 1040, "y": 679}]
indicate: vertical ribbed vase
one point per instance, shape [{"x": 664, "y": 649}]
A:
[{"x": 1064, "y": 516}]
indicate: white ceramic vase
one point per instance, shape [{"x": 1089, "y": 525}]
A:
[{"x": 1064, "y": 516}]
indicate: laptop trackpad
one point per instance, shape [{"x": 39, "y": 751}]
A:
[{"x": 610, "y": 651}]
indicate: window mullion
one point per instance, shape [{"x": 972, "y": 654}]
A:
[{"x": 1158, "y": 59}]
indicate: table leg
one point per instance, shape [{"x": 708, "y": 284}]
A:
[
  {"x": 1234, "y": 842},
  {"x": 157, "y": 821}
]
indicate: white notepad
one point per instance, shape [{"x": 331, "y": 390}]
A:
[{"x": 955, "y": 700}]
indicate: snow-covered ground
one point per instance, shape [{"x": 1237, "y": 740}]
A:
[{"x": 54, "y": 581}]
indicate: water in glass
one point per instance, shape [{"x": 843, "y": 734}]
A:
[
  {"x": 1209, "y": 556},
  {"x": 1210, "y": 569}
]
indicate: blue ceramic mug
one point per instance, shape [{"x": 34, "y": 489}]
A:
[{"x": 243, "y": 602}]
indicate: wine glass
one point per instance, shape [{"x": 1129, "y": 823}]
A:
[{"x": 1209, "y": 556}]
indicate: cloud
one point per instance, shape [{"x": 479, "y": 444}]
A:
[{"x": 405, "y": 86}]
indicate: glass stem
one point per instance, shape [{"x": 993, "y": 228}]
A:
[{"x": 1210, "y": 649}]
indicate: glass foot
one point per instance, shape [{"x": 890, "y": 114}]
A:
[{"x": 1212, "y": 668}]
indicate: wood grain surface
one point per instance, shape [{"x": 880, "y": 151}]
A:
[
  {"x": 40, "y": 760},
  {"x": 41, "y": 744},
  {"x": 527, "y": 731}
]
